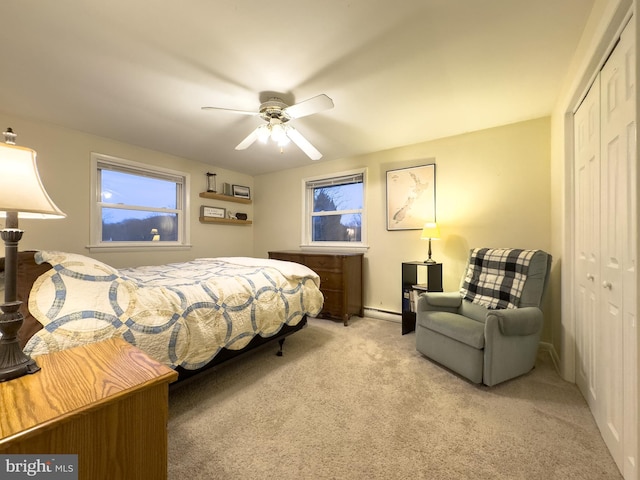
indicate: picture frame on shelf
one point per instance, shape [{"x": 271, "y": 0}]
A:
[
  {"x": 240, "y": 191},
  {"x": 411, "y": 197},
  {"x": 213, "y": 212}
]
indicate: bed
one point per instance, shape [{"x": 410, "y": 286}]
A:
[{"x": 189, "y": 316}]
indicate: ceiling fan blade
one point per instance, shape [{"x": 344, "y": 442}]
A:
[
  {"x": 230, "y": 110},
  {"x": 252, "y": 137},
  {"x": 304, "y": 145},
  {"x": 309, "y": 107}
]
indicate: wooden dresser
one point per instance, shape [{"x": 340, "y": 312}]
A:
[
  {"x": 340, "y": 280},
  {"x": 106, "y": 402}
]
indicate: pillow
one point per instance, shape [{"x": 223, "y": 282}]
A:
[
  {"x": 73, "y": 262},
  {"x": 27, "y": 272}
]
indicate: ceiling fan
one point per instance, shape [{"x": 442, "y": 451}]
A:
[{"x": 277, "y": 114}]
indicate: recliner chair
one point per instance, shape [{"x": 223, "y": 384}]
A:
[{"x": 489, "y": 331}]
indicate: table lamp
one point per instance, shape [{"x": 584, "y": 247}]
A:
[
  {"x": 21, "y": 195},
  {"x": 429, "y": 231}
]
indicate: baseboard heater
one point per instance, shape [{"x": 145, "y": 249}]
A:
[{"x": 383, "y": 314}]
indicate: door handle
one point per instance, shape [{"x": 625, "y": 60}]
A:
[
  {"x": 607, "y": 284},
  {"x": 591, "y": 276}
]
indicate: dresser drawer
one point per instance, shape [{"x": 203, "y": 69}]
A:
[
  {"x": 333, "y": 303},
  {"x": 330, "y": 280},
  {"x": 318, "y": 263}
]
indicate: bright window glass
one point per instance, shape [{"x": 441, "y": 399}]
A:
[
  {"x": 138, "y": 204},
  {"x": 335, "y": 206}
]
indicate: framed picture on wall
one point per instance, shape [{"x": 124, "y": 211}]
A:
[
  {"x": 411, "y": 197},
  {"x": 240, "y": 191}
]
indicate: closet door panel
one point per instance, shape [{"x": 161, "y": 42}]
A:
[
  {"x": 629, "y": 271},
  {"x": 617, "y": 135},
  {"x": 587, "y": 204}
]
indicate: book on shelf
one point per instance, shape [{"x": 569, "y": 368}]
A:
[
  {"x": 410, "y": 297},
  {"x": 414, "y": 300},
  {"x": 406, "y": 300}
]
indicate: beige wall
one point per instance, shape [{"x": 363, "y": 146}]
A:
[
  {"x": 492, "y": 189},
  {"x": 64, "y": 160}
]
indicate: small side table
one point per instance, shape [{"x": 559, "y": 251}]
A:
[{"x": 409, "y": 279}]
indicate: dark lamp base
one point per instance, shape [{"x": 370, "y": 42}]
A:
[
  {"x": 429, "y": 260},
  {"x": 18, "y": 367},
  {"x": 13, "y": 362}
]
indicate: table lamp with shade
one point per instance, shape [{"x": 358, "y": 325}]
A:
[
  {"x": 22, "y": 195},
  {"x": 429, "y": 231}
]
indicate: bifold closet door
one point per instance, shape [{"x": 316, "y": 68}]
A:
[
  {"x": 587, "y": 245},
  {"x": 618, "y": 422},
  {"x": 605, "y": 247}
]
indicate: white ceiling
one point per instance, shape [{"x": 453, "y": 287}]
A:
[{"x": 399, "y": 72}]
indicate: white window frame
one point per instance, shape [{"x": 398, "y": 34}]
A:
[
  {"x": 307, "y": 212},
  {"x": 100, "y": 161}
]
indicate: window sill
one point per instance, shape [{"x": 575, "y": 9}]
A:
[
  {"x": 138, "y": 248},
  {"x": 336, "y": 247}
]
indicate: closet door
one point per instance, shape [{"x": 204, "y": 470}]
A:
[
  {"x": 617, "y": 244},
  {"x": 587, "y": 206},
  {"x": 605, "y": 248}
]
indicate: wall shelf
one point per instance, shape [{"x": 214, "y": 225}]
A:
[
  {"x": 224, "y": 198},
  {"x": 227, "y": 221}
]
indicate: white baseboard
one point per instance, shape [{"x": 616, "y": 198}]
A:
[
  {"x": 383, "y": 315},
  {"x": 555, "y": 358}
]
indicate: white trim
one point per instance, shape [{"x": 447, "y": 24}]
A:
[
  {"x": 305, "y": 241},
  {"x": 550, "y": 349},
  {"x": 567, "y": 365},
  {"x": 138, "y": 248},
  {"x": 382, "y": 315},
  {"x": 336, "y": 247},
  {"x": 184, "y": 233}
]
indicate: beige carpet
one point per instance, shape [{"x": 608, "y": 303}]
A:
[{"x": 359, "y": 402}]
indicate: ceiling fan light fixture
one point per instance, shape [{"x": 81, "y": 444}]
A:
[{"x": 277, "y": 132}]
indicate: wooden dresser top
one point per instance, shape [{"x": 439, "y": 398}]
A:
[{"x": 73, "y": 382}]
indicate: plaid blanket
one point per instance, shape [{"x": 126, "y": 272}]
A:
[{"x": 495, "y": 277}]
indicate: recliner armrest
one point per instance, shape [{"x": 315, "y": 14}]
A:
[
  {"x": 518, "y": 321},
  {"x": 439, "y": 301}
]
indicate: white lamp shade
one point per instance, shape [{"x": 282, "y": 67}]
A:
[
  {"x": 430, "y": 230},
  {"x": 21, "y": 189}
]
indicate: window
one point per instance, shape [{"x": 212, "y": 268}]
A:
[
  {"x": 334, "y": 210},
  {"x": 137, "y": 205}
]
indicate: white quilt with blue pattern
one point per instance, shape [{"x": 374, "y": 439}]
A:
[{"x": 181, "y": 314}]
